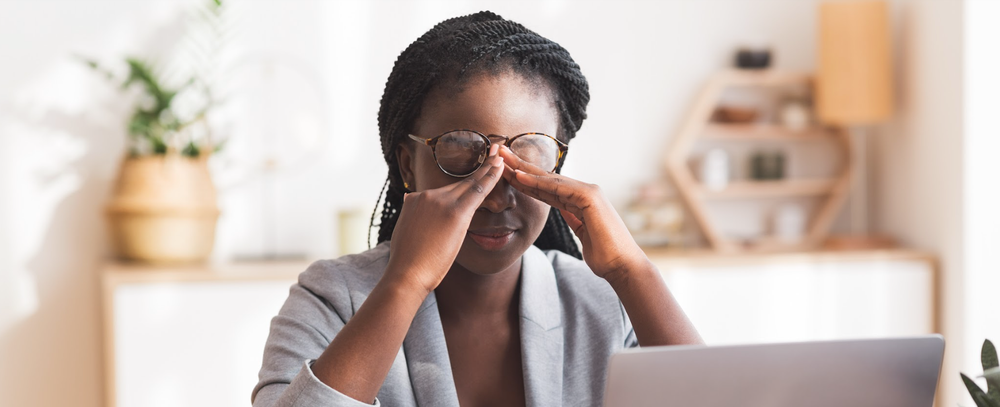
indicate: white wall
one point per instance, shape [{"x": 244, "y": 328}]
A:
[
  {"x": 935, "y": 181},
  {"x": 981, "y": 192},
  {"x": 61, "y": 133}
]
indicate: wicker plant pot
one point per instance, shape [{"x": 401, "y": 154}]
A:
[{"x": 163, "y": 210}]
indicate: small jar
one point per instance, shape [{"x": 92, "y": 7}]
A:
[{"x": 715, "y": 169}]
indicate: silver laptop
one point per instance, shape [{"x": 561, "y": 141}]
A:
[{"x": 894, "y": 372}]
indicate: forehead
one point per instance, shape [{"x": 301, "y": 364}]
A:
[{"x": 506, "y": 104}]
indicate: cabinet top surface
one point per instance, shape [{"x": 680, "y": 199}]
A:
[
  {"x": 704, "y": 257},
  {"x": 114, "y": 272}
]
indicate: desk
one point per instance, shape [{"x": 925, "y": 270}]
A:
[{"x": 188, "y": 335}]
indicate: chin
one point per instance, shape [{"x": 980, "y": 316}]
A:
[{"x": 491, "y": 256}]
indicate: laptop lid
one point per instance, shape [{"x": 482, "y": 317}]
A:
[{"x": 892, "y": 372}]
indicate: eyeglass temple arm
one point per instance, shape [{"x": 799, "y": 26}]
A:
[{"x": 426, "y": 141}]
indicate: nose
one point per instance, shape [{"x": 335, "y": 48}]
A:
[{"x": 501, "y": 198}]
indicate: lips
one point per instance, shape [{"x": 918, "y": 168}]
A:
[{"x": 492, "y": 239}]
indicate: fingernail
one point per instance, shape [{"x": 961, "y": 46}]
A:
[
  {"x": 498, "y": 161},
  {"x": 494, "y": 149}
]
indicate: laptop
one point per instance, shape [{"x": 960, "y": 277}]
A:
[{"x": 892, "y": 372}]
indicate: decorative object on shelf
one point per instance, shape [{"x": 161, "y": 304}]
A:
[
  {"x": 854, "y": 89},
  {"x": 767, "y": 165},
  {"x": 734, "y": 114},
  {"x": 788, "y": 223},
  {"x": 795, "y": 114},
  {"x": 655, "y": 218},
  {"x": 753, "y": 56},
  {"x": 991, "y": 372},
  {"x": 163, "y": 208},
  {"x": 352, "y": 225},
  {"x": 715, "y": 169},
  {"x": 699, "y": 125}
]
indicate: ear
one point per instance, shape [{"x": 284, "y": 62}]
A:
[{"x": 404, "y": 156}]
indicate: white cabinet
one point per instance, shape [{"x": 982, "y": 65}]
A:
[
  {"x": 189, "y": 336},
  {"x": 803, "y": 296}
]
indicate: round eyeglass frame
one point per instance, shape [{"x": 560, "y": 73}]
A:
[{"x": 432, "y": 142}]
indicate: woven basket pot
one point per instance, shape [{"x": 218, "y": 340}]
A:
[{"x": 163, "y": 209}]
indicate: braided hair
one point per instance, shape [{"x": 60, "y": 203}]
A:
[{"x": 453, "y": 52}]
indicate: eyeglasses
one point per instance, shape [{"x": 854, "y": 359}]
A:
[{"x": 460, "y": 153}]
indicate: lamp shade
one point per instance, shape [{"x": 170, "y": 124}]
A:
[{"x": 854, "y": 80}]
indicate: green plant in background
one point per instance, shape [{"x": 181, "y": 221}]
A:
[
  {"x": 991, "y": 371},
  {"x": 159, "y": 125},
  {"x": 153, "y": 124}
]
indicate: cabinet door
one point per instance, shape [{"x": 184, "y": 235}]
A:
[
  {"x": 190, "y": 343},
  {"x": 806, "y": 301}
]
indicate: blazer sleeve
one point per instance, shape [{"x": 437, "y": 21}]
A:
[
  {"x": 299, "y": 334},
  {"x": 630, "y": 340}
]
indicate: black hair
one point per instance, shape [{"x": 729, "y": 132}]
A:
[{"x": 454, "y": 51}]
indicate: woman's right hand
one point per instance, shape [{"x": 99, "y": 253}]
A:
[{"x": 433, "y": 223}]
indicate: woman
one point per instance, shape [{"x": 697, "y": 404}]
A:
[{"x": 476, "y": 293}]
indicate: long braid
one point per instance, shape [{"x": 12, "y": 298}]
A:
[{"x": 454, "y": 51}]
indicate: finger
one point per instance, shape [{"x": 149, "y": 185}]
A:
[
  {"x": 550, "y": 199},
  {"x": 572, "y": 221},
  {"x": 567, "y": 191},
  {"x": 473, "y": 180},
  {"x": 482, "y": 182},
  {"x": 516, "y": 163}
]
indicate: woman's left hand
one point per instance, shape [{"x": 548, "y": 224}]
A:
[{"x": 608, "y": 247}]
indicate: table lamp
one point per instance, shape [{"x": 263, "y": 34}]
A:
[{"x": 854, "y": 90}]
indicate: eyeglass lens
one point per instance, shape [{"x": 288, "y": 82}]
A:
[{"x": 462, "y": 152}]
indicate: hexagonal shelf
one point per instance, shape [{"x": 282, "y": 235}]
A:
[{"x": 699, "y": 124}]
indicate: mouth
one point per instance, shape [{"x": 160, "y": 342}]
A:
[{"x": 492, "y": 239}]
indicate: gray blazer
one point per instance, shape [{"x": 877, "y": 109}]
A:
[{"x": 571, "y": 322}]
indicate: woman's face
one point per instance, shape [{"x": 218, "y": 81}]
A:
[{"x": 508, "y": 221}]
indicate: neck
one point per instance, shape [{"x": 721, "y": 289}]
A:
[{"x": 463, "y": 294}]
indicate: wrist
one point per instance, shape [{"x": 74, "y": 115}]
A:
[
  {"x": 628, "y": 271},
  {"x": 400, "y": 283}
]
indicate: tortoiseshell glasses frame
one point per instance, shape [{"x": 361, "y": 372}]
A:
[{"x": 432, "y": 142}]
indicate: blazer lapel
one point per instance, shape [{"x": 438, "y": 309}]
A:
[
  {"x": 427, "y": 358},
  {"x": 541, "y": 331}
]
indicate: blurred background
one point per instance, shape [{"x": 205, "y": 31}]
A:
[{"x": 705, "y": 130}]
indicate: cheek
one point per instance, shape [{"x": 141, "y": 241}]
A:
[
  {"x": 536, "y": 212},
  {"x": 427, "y": 173}
]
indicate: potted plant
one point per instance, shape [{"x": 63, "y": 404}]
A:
[
  {"x": 990, "y": 397},
  {"x": 163, "y": 208}
]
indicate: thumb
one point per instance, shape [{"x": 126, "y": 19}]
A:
[{"x": 572, "y": 221}]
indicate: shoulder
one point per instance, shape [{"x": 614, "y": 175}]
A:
[
  {"x": 346, "y": 281},
  {"x": 591, "y": 311},
  {"x": 575, "y": 279},
  {"x": 582, "y": 293}
]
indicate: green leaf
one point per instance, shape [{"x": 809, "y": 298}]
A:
[
  {"x": 989, "y": 355},
  {"x": 220, "y": 146},
  {"x": 981, "y": 399},
  {"x": 989, "y": 358},
  {"x": 191, "y": 150},
  {"x": 992, "y": 377},
  {"x": 159, "y": 147},
  {"x": 95, "y": 66}
]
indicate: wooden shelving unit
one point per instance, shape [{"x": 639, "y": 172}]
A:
[
  {"x": 762, "y": 132},
  {"x": 699, "y": 126},
  {"x": 765, "y": 189}
]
